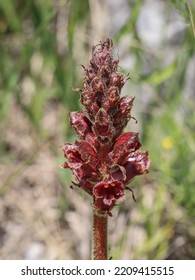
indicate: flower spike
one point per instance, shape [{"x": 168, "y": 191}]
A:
[{"x": 106, "y": 158}]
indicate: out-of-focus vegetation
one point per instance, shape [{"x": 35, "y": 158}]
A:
[{"x": 42, "y": 45}]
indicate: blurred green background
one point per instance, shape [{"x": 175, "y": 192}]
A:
[{"x": 42, "y": 45}]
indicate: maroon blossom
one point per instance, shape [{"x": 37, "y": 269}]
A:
[
  {"x": 107, "y": 193},
  {"x": 106, "y": 158}
]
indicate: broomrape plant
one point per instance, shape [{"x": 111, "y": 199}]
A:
[{"x": 106, "y": 159}]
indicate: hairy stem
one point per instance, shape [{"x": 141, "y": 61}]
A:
[{"x": 99, "y": 241}]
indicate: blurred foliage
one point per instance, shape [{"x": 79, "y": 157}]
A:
[{"x": 33, "y": 56}]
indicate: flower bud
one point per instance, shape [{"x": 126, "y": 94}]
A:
[{"x": 103, "y": 127}]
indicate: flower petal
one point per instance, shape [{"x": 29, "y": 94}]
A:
[
  {"x": 71, "y": 152},
  {"x": 106, "y": 195},
  {"x": 125, "y": 144},
  {"x": 87, "y": 152},
  {"x": 117, "y": 79},
  {"x": 109, "y": 199},
  {"x": 89, "y": 101},
  {"x": 103, "y": 125},
  {"x": 125, "y": 105},
  {"x": 122, "y": 113},
  {"x": 137, "y": 164},
  {"x": 99, "y": 205},
  {"x": 109, "y": 189},
  {"x": 112, "y": 97},
  {"x": 82, "y": 160},
  {"x": 92, "y": 140},
  {"x": 80, "y": 123}
]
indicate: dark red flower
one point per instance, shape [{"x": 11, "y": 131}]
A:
[
  {"x": 106, "y": 159},
  {"x": 107, "y": 193},
  {"x": 136, "y": 164},
  {"x": 125, "y": 144},
  {"x": 80, "y": 123}
]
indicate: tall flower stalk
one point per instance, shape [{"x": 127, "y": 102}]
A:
[{"x": 106, "y": 159}]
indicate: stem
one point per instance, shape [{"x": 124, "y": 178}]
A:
[{"x": 99, "y": 242}]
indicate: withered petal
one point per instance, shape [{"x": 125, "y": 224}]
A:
[{"x": 87, "y": 152}]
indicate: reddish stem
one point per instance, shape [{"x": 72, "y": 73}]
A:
[{"x": 99, "y": 242}]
